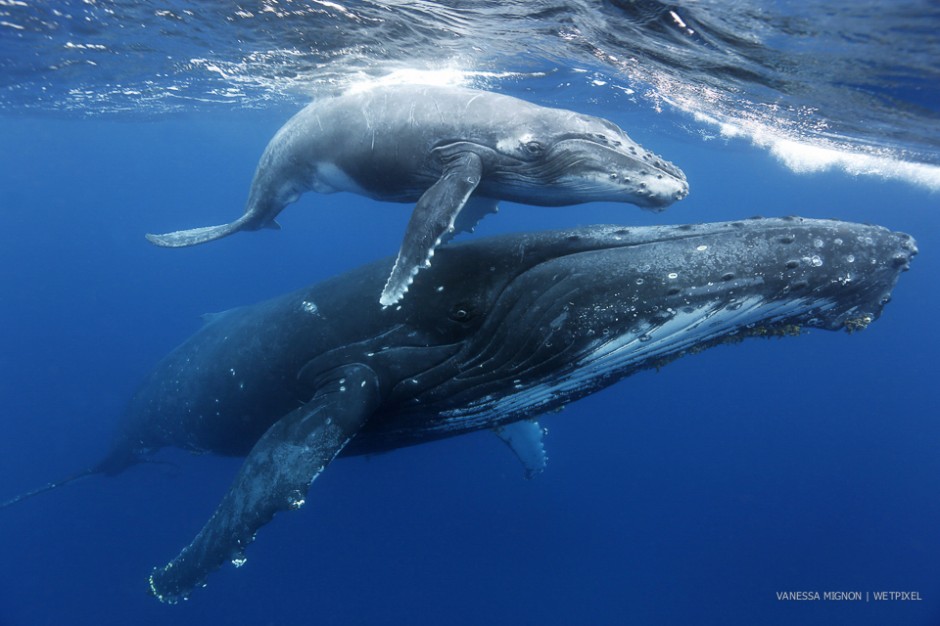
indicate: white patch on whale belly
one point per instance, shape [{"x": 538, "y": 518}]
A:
[{"x": 329, "y": 179}]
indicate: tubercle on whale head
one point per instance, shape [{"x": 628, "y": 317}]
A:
[
  {"x": 562, "y": 157},
  {"x": 651, "y": 181},
  {"x": 581, "y": 169}
]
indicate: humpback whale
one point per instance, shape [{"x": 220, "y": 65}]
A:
[
  {"x": 454, "y": 151},
  {"x": 497, "y": 332}
]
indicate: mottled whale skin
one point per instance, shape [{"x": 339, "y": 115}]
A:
[
  {"x": 454, "y": 151},
  {"x": 497, "y": 332}
]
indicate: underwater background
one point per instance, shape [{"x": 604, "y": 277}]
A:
[{"x": 692, "y": 495}]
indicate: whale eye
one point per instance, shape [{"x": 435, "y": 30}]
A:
[
  {"x": 462, "y": 312},
  {"x": 534, "y": 148}
]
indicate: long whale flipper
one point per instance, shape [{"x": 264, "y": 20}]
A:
[
  {"x": 431, "y": 221},
  {"x": 275, "y": 477},
  {"x": 525, "y": 440}
]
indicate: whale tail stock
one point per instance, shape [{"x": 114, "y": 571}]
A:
[
  {"x": 195, "y": 236},
  {"x": 115, "y": 463}
]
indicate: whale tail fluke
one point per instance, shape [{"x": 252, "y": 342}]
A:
[
  {"x": 251, "y": 220},
  {"x": 196, "y": 236},
  {"x": 193, "y": 236},
  {"x": 114, "y": 463},
  {"x": 48, "y": 487}
]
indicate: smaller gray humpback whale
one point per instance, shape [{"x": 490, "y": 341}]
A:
[
  {"x": 499, "y": 331},
  {"x": 456, "y": 152}
]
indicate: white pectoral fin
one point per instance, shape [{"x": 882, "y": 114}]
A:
[
  {"x": 432, "y": 221},
  {"x": 525, "y": 440}
]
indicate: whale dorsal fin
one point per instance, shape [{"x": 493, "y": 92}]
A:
[
  {"x": 525, "y": 440},
  {"x": 274, "y": 477}
]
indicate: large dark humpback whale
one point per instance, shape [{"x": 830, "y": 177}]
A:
[
  {"x": 497, "y": 332},
  {"x": 454, "y": 151}
]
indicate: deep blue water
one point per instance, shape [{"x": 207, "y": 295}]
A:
[
  {"x": 692, "y": 495},
  {"x": 687, "y": 496}
]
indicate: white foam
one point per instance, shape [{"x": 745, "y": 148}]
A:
[
  {"x": 804, "y": 157},
  {"x": 445, "y": 74}
]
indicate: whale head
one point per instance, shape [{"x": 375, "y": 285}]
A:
[
  {"x": 552, "y": 317},
  {"x": 560, "y": 157}
]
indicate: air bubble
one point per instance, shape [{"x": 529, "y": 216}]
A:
[
  {"x": 850, "y": 258},
  {"x": 672, "y": 275},
  {"x": 815, "y": 261}
]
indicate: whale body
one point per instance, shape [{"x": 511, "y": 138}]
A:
[
  {"x": 454, "y": 151},
  {"x": 497, "y": 332}
]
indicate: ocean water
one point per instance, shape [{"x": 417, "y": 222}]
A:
[{"x": 692, "y": 495}]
